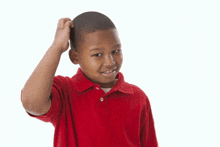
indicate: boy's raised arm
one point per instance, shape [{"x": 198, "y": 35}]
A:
[{"x": 37, "y": 90}]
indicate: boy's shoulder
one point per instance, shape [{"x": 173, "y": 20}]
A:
[
  {"x": 60, "y": 79},
  {"x": 136, "y": 89},
  {"x": 139, "y": 94}
]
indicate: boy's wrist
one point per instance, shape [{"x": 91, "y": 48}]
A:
[{"x": 56, "y": 47}]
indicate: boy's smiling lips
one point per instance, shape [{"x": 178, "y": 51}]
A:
[{"x": 109, "y": 73}]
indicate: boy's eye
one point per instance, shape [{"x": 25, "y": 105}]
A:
[
  {"x": 97, "y": 55},
  {"x": 115, "y": 51}
]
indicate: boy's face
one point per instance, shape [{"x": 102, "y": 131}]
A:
[{"x": 100, "y": 57}]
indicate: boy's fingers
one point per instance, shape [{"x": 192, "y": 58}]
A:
[
  {"x": 72, "y": 25},
  {"x": 62, "y": 21},
  {"x": 69, "y": 24}
]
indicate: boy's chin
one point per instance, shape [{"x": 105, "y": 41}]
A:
[{"x": 107, "y": 83}]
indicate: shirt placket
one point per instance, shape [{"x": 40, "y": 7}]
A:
[
  {"x": 101, "y": 101},
  {"x": 102, "y": 110}
]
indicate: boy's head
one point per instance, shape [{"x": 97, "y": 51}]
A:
[
  {"x": 88, "y": 22},
  {"x": 96, "y": 47}
]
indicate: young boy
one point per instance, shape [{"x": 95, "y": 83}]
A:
[{"x": 96, "y": 107}]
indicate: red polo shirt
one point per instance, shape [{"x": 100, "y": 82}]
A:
[{"x": 85, "y": 116}]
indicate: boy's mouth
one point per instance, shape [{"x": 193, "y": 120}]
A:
[{"x": 109, "y": 73}]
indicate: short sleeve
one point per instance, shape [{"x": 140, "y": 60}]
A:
[
  {"x": 147, "y": 131},
  {"x": 56, "y": 103}
]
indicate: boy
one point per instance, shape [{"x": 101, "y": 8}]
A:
[{"x": 96, "y": 107}]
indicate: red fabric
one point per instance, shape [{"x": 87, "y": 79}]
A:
[{"x": 123, "y": 119}]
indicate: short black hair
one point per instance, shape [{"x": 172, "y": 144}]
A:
[{"x": 88, "y": 22}]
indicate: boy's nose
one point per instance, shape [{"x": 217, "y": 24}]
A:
[{"x": 109, "y": 61}]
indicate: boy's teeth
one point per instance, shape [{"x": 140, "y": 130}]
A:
[{"x": 108, "y": 71}]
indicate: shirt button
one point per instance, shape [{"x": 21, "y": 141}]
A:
[
  {"x": 97, "y": 88},
  {"x": 101, "y": 99}
]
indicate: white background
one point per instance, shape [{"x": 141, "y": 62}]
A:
[{"x": 171, "y": 50}]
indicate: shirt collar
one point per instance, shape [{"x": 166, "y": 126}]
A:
[{"x": 82, "y": 83}]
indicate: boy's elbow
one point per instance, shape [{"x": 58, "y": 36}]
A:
[
  {"x": 28, "y": 105},
  {"x": 24, "y": 100},
  {"x": 35, "y": 108}
]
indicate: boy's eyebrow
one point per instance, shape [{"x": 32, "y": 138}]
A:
[
  {"x": 118, "y": 45},
  {"x": 95, "y": 49}
]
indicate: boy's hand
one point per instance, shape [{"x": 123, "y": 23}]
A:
[{"x": 61, "y": 39}]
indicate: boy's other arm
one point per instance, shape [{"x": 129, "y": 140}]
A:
[
  {"x": 148, "y": 133},
  {"x": 37, "y": 90}
]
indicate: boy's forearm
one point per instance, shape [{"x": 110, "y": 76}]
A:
[{"x": 37, "y": 89}]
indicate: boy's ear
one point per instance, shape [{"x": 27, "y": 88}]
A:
[{"x": 73, "y": 54}]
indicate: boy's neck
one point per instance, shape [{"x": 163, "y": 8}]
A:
[{"x": 107, "y": 85}]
